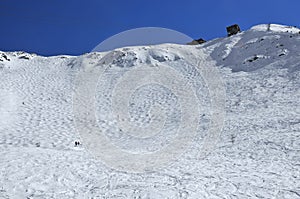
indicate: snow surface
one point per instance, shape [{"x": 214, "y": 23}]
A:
[
  {"x": 257, "y": 155},
  {"x": 276, "y": 28}
]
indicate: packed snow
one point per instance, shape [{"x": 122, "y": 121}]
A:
[{"x": 256, "y": 156}]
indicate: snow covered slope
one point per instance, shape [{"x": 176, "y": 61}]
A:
[{"x": 257, "y": 155}]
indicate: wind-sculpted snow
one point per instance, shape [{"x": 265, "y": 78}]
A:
[{"x": 256, "y": 155}]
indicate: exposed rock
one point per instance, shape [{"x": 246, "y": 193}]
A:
[
  {"x": 4, "y": 56},
  {"x": 24, "y": 57},
  {"x": 196, "y": 42}
]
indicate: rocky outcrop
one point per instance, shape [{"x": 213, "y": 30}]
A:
[{"x": 196, "y": 42}]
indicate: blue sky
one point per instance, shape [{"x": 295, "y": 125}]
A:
[{"x": 51, "y": 27}]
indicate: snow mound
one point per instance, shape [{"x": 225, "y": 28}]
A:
[{"x": 276, "y": 28}]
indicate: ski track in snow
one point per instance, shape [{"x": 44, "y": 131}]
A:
[
  {"x": 257, "y": 156},
  {"x": 229, "y": 46}
]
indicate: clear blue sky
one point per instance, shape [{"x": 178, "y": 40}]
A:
[{"x": 51, "y": 27}]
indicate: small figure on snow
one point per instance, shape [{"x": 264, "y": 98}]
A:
[{"x": 77, "y": 143}]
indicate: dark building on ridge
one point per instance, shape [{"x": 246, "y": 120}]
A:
[{"x": 232, "y": 30}]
